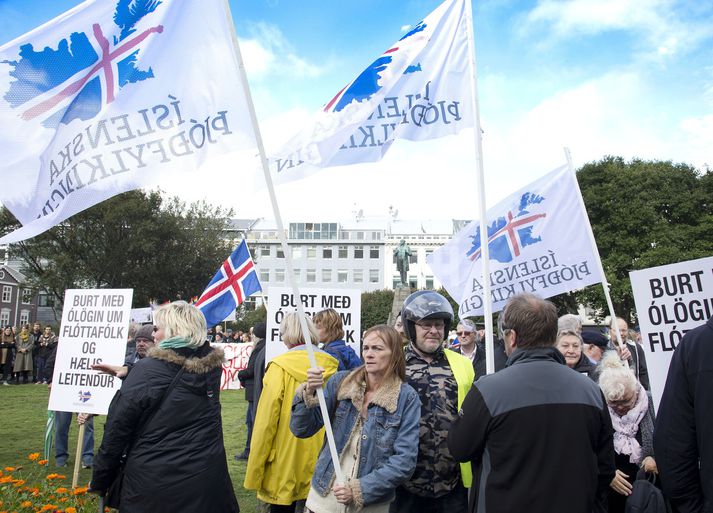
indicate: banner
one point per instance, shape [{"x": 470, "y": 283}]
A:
[
  {"x": 281, "y": 301},
  {"x": 419, "y": 88},
  {"x": 539, "y": 242},
  {"x": 94, "y": 330},
  {"x": 236, "y": 359},
  {"x": 670, "y": 301},
  {"x": 142, "y": 315},
  {"x": 111, "y": 96}
]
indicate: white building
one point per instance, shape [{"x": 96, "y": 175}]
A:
[{"x": 349, "y": 254}]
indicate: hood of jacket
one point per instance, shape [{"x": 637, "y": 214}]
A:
[
  {"x": 295, "y": 362},
  {"x": 201, "y": 361},
  {"x": 536, "y": 353}
]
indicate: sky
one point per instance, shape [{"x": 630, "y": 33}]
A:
[{"x": 630, "y": 78}]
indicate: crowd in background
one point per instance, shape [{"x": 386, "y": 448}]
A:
[{"x": 24, "y": 353}]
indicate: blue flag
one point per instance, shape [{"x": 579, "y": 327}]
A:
[{"x": 235, "y": 280}]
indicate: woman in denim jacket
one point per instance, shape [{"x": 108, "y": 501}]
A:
[{"x": 375, "y": 417}]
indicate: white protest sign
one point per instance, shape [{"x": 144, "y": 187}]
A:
[
  {"x": 236, "y": 359},
  {"x": 94, "y": 330},
  {"x": 280, "y": 301},
  {"x": 142, "y": 315},
  {"x": 670, "y": 301}
]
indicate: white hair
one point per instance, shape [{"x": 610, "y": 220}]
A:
[
  {"x": 616, "y": 379},
  {"x": 179, "y": 319},
  {"x": 569, "y": 322}
]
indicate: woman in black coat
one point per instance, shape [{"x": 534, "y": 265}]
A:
[{"x": 178, "y": 461}]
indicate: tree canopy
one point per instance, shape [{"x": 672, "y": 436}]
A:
[
  {"x": 161, "y": 248},
  {"x": 644, "y": 214}
]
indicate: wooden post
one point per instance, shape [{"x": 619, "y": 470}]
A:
[{"x": 78, "y": 456}]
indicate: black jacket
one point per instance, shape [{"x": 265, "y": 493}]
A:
[
  {"x": 683, "y": 437},
  {"x": 247, "y": 375},
  {"x": 539, "y": 435},
  {"x": 499, "y": 357},
  {"x": 638, "y": 364},
  {"x": 178, "y": 464}
]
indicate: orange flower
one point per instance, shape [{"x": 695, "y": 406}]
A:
[
  {"x": 42, "y": 462},
  {"x": 63, "y": 499},
  {"x": 55, "y": 476},
  {"x": 61, "y": 490},
  {"x": 34, "y": 456},
  {"x": 48, "y": 507},
  {"x": 5, "y": 479},
  {"x": 80, "y": 490},
  {"x": 70, "y": 510},
  {"x": 18, "y": 482},
  {"x": 26, "y": 504},
  {"x": 10, "y": 469}
]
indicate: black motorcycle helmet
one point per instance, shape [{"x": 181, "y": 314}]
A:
[{"x": 425, "y": 304}]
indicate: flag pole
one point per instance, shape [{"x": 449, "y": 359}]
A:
[
  {"x": 283, "y": 241},
  {"x": 480, "y": 182},
  {"x": 592, "y": 240}
]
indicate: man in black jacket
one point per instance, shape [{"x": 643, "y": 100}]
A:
[
  {"x": 538, "y": 433},
  {"x": 683, "y": 440},
  {"x": 247, "y": 380}
]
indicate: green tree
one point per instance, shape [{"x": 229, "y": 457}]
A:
[
  {"x": 249, "y": 317},
  {"x": 644, "y": 214},
  {"x": 162, "y": 249},
  {"x": 375, "y": 307}
]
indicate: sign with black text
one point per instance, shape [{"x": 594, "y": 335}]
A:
[
  {"x": 670, "y": 301},
  {"x": 281, "y": 301},
  {"x": 94, "y": 330}
]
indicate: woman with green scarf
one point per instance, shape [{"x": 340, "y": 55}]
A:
[
  {"x": 23, "y": 356},
  {"x": 171, "y": 430}
]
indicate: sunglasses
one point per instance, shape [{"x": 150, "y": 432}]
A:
[{"x": 463, "y": 333}]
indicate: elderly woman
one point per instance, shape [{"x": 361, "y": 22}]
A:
[
  {"x": 331, "y": 334},
  {"x": 632, "y": 415},
  {"x": 166, "y": 418},
  {"x": 279, "y": 465},
  {"x": 375, "y": 418},
  {"x": 569, "y": 343},
  {"x": 7, "y": 346}
]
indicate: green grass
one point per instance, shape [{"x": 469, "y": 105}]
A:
[{"x": 23, "y": 414}]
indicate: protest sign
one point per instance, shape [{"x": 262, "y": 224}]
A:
[
  {"x": 142, "y": 315},
  {"x": 236, "y": 359},
  {"x": 670, "y": 301},
  {"x": 281, "y": 301},
  {"x": 94, "y": 330}
]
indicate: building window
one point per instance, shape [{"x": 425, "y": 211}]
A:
[
  {"x": 373, "y": 251},
  {"x": 342, "y": 276},
  {"x": 375, "y": 235},
  {"x": 311, "y": 252},
  {"x": 280, "y": 275},
  {"x": 358, "y": 251},
  {"x": 313, "y": 231},
  {"x": 344, "y": 235},
  {"x": 265, "y": 275},
  {"x": 26, "y": 296},
  {"x": 343, "y": 252},
  {"x": 311, "y": 275},
  {"x": 297, "y": 275},
  {"x": 396, "y": 281},
  {"x": 45, "y": 299},
  {"x": 296, "y": 252},
  {"x": 429, "y": 252},
  {"x": 429, "y": 282},
  {"x": 373, "y": 276},
  {"x": 264, "y": 251},
  {"x": 326, "y": 252},
  {"x": 414, "y": 257},
  {"x": 326, "y": 275},
  {"x": 280, "y": 253},
  {"x": 360, "y": 235},
  {"x": 24, "y": 317},
  {"x": 358, "y": 276},
  {"x": 6, "y": 293},
  {"x": 5, "y": 317},
  {"x": 413, "y": 282}
]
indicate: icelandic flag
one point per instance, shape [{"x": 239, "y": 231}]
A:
[
  {"x": 539, "y": 241},
  {"x": 419, "y": 88},
  {"x": 111, "y": 96},
  {"x": 235, "y": 280}
]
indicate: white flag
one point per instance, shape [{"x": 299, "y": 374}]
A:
[
  {"x": 110, "y": 96},
  {"x": 539, "y": 242},
  {"x": 419, "y": 88}
]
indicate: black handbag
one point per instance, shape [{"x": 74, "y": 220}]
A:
[{"x": 113, "y": 493}]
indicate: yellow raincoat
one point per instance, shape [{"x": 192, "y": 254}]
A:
[{"x": 280, "y": 465}]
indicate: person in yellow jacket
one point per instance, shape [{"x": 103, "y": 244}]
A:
[{"x": 280, "y": 465}]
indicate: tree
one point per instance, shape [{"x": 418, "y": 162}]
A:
[
  {"x": 375, "y": 307},
  {"x": 163, "y": 249},
  {"x": 644, "y": 214}
]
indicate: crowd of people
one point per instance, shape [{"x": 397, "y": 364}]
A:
[
  {"x": 24, "y": 353},
  {"x": 565, "y": 423}
]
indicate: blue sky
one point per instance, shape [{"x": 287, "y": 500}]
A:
[{"x": 602, "y": 77}]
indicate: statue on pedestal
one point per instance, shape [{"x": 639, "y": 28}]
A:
[{"x": 402, "y": 253}]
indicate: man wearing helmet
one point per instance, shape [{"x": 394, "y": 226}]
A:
[{"x": 442, "y": 379}]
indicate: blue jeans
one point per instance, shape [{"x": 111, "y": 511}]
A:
[
  {"x": 62, "y": 421},
  {"x": 249, "y": 421}
]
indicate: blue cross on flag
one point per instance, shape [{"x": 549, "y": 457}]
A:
[{"x": 235, "y": 280}]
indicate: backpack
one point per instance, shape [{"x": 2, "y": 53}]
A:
[{"x": 645, "y": 497}]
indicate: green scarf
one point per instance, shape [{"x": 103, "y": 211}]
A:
[{"x": 174, "y": 343}]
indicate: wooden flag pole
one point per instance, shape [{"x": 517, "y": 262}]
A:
[{"x": 285, "y": 248}]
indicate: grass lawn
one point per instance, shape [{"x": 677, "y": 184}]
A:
[{"x": 23, "y": 414}]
